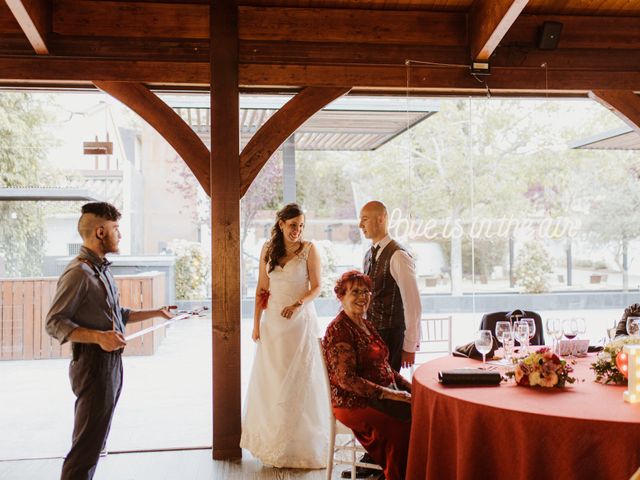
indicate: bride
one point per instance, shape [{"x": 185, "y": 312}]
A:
[{"x": 285, "y": 419}]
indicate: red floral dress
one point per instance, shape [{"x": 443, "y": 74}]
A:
[{"x": 357, "y": 361}]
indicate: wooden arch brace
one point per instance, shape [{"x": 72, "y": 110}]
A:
[
  {"x": 280, "y": 126},
  {"x": 624, "y": 103},
  {"x": 167, "y": 123},
  {"x": 489, "y": 21}
]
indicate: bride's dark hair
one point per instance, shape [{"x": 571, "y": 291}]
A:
[{"x": 276, "y": 248}]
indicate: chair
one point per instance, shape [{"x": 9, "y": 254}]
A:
[
  {"x": 489, "y": 321},
  {"x": 435, "y": 337},
  {"x": 352, "y": 446}
]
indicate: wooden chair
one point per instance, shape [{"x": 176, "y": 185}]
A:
[{"x": 352, "y": 447}]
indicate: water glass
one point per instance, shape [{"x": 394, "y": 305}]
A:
[
  {"x": 554, "y": 330},
  {"x": 502, "y": 326},
  {"x": 484, "y": 342},
  {"x": 532, "y": 327},
  {"x": 508, "y": 343},
  {"x": 633, "y": 326},
  {"x": 521, "y": 330}
]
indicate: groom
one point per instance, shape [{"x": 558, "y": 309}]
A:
[{"x": 395, "y": 308}]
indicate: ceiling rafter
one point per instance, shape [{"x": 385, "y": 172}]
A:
[
  {"x": 623, "y": 103},
  {"x": 34, "y": 17},
  {"x": 489, "y": 21}
]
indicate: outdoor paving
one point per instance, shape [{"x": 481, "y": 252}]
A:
[{"x": 166, "y": 399}]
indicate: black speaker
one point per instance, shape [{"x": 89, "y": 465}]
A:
[{"x": 549, "y": 35}]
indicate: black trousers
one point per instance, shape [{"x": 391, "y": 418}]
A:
[
  {"x": 394, "y": 338},
  {"x": 96, "y": 381}
]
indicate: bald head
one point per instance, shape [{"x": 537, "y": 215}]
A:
[
  {"x": 375, "y": 208},
  {"x": 374, "y": 221}
]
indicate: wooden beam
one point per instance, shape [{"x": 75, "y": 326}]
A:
[
  {"x": 225, "y": 230},
  {"x": 34, "y": 17},
  {"x": 280, "y": 126},
  {"x": 623, "y": 103},
  {"x": 48, "y": 70},
  {"x": 489, "y": 21},
  {"x": 357, "y": 26},
  {"x": 58, "y": 69},
  {"x": 97, "y": 18},
  {"x": 167, "y": 123}
]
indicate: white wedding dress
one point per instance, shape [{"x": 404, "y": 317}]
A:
[{"x": 285, "y": 420}]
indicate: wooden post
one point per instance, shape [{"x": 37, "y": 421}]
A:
[{"x": 225, "y": 229}]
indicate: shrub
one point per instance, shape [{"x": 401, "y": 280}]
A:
[
  {"x": 329, "y": 270},
  {"x": 533, "y": 268},
  {"x": 192, "y": 270}
]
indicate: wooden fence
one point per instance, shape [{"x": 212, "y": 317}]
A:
[{"x": 24, "y": 303}]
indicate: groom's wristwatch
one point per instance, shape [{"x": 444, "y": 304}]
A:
[{"x": 299, "y": 303}]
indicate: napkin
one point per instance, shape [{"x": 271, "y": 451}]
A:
[{"x": 469, "y": 376}]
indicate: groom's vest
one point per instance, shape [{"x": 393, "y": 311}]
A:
[{"x": 385, "y": 309}]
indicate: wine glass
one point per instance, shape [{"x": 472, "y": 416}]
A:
[
  {"x": 554, "y": 330},
  {"x": 532, "y": 327},
  {"x": 633, "y": 325},
  {"x": 502, "y": 326},
  {"x": 484, "y": 342},
  {"x": 570, "y": 330},
  {"x": 521, "y": 330}
]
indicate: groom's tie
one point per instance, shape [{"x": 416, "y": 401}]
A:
[{"x": 372, "y": 262}]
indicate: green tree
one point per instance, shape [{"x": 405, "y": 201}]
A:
[{"x": 23, "y": 143}]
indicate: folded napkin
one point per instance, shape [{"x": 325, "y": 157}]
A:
[
  {"x": 469, "y": 350},
  {"x": 469, "y": 376}
]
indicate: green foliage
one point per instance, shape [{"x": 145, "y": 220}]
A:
[
  {"x": 23, "y": 144},
  {"x": 533, "y": 268},
  {"x": 192, "y": 270}
]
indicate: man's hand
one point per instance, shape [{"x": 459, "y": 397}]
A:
[
  {"x": 165, "y": 311},
  {"x": 111, "y": 340},
  {"x": 408, "y": 359}
]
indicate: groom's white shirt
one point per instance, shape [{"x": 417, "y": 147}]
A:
[{"x": 403, "y": 271}]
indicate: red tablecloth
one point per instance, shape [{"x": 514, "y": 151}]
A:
[{"x": 584, "y": 431}]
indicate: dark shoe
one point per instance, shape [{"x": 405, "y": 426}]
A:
[{"x": 361, "y": 472}]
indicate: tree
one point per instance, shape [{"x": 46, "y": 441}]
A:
[{"x": 23, "y": 143}]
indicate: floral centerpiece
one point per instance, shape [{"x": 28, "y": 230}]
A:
[
  {"x": 542, "y": 368},
  {"x": 605, "y": 365}
]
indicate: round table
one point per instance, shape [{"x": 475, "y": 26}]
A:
[{"x": 509, "y": 432}]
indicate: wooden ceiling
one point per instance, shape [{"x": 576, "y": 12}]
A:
[{"x": 363, "y": 44}]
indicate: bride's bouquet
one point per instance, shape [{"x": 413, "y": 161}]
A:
[{"x": 542, "y": 368}]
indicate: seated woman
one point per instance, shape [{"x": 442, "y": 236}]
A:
[
  {"x": 630, "y": 311},
  {"x": 367, "y": 395}
]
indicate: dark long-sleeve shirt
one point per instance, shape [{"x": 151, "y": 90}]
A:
[{"x": 86, "y": 296}]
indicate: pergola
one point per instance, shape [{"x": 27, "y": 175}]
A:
[{"x": 318, "y": 50}]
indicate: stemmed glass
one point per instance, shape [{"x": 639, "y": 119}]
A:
[
  {"x": 484, "y": 342},
  {"x": 570, "y": 330},
  {"x": 502, "y": 327},
  {"x": 554, "y": 330},
  {"x": 532, "y": 327},
  {"x": 633, "y": 325},
  {"x": 521, "y": 330}
]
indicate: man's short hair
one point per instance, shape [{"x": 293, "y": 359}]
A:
[{"x": 103, "y": 210}]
